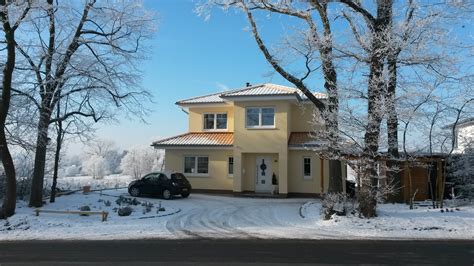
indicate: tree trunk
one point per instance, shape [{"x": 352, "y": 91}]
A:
[
  {"x": 376, "y": 90},
  {"x": 332, "y": 107},
  {"x": 393, "y": 166},
  {"x": 56, "y": 161},
  {"x": 9, "y": 200},
  {"x": 36, "y": 196}
]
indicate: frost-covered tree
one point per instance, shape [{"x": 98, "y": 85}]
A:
[
  {"x": 141, "y": 160},
  {"x": 88, "y": 51},
  {"x": 381, "y": 53},
  {"x": 95, "y": 166},
  {"x": 109, "y": 151},
  {"x": 11, "y": 16}
]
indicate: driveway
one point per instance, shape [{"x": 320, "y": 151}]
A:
[{"x": 230, "y": 217}]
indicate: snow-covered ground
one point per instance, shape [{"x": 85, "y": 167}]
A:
[{"x": 231, "y": 217}]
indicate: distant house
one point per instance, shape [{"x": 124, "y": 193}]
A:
[
  {"x": 239, "y": 139},
  {"x": 464, "y": 135}
]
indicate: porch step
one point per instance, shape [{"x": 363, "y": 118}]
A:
[{"x": 260, "y": 195}]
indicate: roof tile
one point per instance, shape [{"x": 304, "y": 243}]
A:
[{"x": 198, "y": 139}]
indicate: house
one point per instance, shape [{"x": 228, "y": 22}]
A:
[
  {"x": 239, "y": 139},
  {"x": 464, "y": 135}
]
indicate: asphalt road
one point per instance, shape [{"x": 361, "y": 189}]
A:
[{"x": 236, "y": 252}]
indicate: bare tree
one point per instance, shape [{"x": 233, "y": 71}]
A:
[
  {"x": 70, "y": 125},
  {"x": 90, "y": 55},
  {"x": 9, "y": 29},
  {"x": 385, "y": 36}
]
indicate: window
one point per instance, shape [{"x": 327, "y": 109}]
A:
[
  {"x": 221, "y": 121},
  {"x": 202, "y": 165},
  {"x": 260, "y": 117},
  {"x": 215, "y": 121},
  {"x": 230, "y": 170},
  {"x": 189, "y": 165},
  {"x": 307, "y": 168},
  {"x": 196, "y": 165},
  {"x": 209, "y": 121}
]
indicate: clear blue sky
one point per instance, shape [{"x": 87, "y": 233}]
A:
[{"x": 191, "y": 57}]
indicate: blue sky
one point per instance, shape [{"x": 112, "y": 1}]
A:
[{"x": 191, "y": 57}]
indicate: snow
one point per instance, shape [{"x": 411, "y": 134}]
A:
[
  {"x": 210, "y": 216},
  {"x": 77, "y": 182}
]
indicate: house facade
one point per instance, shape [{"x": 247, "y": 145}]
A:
[{"x": 239, "y": 140}]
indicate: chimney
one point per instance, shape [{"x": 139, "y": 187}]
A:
[{"x": 248, "y": 84}]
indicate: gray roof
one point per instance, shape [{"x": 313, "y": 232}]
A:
[
  {"x": 266, "y": 89},
  {"x": 461, "y": 123}
]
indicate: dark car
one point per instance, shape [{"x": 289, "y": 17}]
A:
[{"x": 161, "y": 184}]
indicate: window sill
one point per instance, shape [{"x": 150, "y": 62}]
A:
[
  {"x": 230, "y": 176},
  {"x": 215, "y": 130},
  {"x": 307, "y": 178},
  {"x": 260, "y": 128},
  {"x": 190, "y": 175}
]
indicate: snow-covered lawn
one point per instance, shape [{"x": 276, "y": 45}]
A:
[{"x": 231, "y": 217}]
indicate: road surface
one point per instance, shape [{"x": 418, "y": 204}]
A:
[{"x": 236, "y": 252}]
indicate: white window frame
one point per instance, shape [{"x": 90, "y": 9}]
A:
[
  {"x": 196, "y": 165},
  {"x": 260, "y": 117},
  {"x": 310, "y": 176},
  {"x": 215, "y": 122},
  {"x": 228, "y": 166}
]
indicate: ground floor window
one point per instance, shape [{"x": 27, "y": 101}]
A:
[
  {"x": 196, "y": 165},
  {"x": 307, "y": 168},
  {"x": 231, "y": 166}
]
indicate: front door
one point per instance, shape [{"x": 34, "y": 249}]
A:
[{"x": 264, "y": 174}]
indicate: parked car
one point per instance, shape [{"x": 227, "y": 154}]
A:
[{"x": 161, "y": 184}]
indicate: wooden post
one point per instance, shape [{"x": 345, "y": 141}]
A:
[
  {"x": 439, "y": 181},
  {"x": 405, "y": 179},
  {"x": 104, "y": 216}
]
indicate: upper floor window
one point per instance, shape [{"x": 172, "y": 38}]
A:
[
  {"x": 260, "y": 117},
  {"x": 215, "y": 121}
]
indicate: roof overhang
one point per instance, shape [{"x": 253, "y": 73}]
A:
[
  {"x": 192, "y": 105},
  {"x": 192, "y": 147}
]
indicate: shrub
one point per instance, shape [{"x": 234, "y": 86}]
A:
[
  {"x": 336, "y": 203},
  {"x": 147, "y": 206},
  {"x": 128, "y": 201},
  {"x": 125, "y": 211}
]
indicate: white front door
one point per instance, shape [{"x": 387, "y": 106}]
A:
[{"x": 264, "y": 174}]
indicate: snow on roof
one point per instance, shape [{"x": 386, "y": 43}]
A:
[
  {"x": 197, "y": 139},
  {"x": 266, "y": 89}
]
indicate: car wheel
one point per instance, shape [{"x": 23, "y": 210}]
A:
[
  {"x": 134, "y": 191},
  {"x": 185, "y": 195},
  {"x": 166, "y": 194}
]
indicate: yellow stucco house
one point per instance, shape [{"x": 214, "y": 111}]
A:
[{"x": 238, "y": 139}]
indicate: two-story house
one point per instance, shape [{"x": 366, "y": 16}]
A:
[{"x": 239, "y": 139}]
